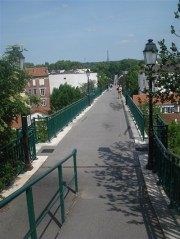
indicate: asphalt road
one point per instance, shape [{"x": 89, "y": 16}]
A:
[{"x": 108, "y": 204}]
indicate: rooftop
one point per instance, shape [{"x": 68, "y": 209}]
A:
[
  {"x": 143, "y": 98},
  {"x": 37, "y": 71}
]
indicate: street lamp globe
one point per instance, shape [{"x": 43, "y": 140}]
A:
[{"x": 150, "y": 53}]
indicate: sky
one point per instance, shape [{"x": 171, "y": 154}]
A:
[{"x": 83, "y": 30}]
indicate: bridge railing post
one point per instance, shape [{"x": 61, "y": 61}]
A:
[
  {"x": 31, "y": 213},
  {"x": 75, "y": 171},
  {"x": 61, "y": 193}
]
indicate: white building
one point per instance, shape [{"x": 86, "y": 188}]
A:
[
  {"x": 143, "y": 83},
  {"x": 73, "y": 79}
]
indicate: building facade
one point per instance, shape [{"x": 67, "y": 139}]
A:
[
  {"x": 76, "y": 79},
  {"x": 38, "y": 85}
]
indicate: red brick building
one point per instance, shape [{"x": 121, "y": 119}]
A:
[{"x": 38, "y": 85}]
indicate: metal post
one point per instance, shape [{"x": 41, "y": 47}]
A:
[
  {"x": 88, "y": 92},
  {"x": 75, "y": 171},
  {"x": 61, "y": 193},
  {"x": 48, "y": 129},
  {"x": 150, "y": 163},
  {"x": 25, "y": 143},
  {"x": 31, "y": 214}
]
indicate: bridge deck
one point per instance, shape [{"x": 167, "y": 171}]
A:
[{"x": 109, "y": 204}]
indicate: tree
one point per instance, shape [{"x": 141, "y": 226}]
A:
[
  {"x": 63, "y": 96},
  {"x": 168, "y": 73},
  {"x": 131, "y": 80},
  {"x": 12, "y": 84},
  {"x": 174, "y": 137},
  {"x": 102, "y": 80}
]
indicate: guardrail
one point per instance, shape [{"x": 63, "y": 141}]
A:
[
  {"x": 63, "y": 189},
  {"x": 161, "y": 130},
  {"x": 48, "y": 127},
  {"x": 137, "y": 114},
  {"x": 168, "y": 170}
]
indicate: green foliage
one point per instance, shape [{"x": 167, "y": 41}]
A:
[
  {"x": 169, "y": 68},
  {"x": 110, "y": 68},
  {"x": 41, "y": 130},
  {"x": 12, "y": 83},
  {"x": 102, "y": 80},
  {"x": 63, "y": 65},
  {"x": 63, "y": 96},
  {"x": 145, "y": 110},
  {"x": 174, "y": 137},
  {"x": 34, "y": 100},
  {"x": 131, "y": 80},
  {"x": 84, "y": 87},
  {"x": 9, "y": 171},
  {"x": 28, "y": 64},
  {"x": 113, "y": 67}
]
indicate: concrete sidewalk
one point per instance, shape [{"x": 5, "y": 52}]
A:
[{"x": 112, "y": 201}]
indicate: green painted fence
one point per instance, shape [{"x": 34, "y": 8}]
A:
[
  {"x": 137, "y": 115},
  {"x": 48, "y": 127},
  {"x": 161, "y": 130},
  {"x": 63, "y": 189},
  {"x": 12, "y": 156},
  {"x": 167, "y": 166}
]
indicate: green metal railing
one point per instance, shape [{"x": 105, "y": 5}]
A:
[
  {"x": 137, "y": 114},
  {"x": 60, "y": 119},
  {"x": 161, "y": 130},
  {"x": 12, "y": 160},
  {"x": 63, "y": 189},
  {"x": 168, "y": 170},
  {"x": 54, "y": 123},
  {"x": 167, "y": 165}
]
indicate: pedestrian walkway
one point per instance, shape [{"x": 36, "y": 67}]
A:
[{"x": 109, "y": 204}]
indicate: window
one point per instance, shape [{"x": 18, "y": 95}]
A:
[
  {"x": 41, "y": 81},
  {"x": 42, "y": 91},
  {"x": 34, "y": 91},
  {"x": 168, "y": 109},
  {"x": 43, "y": 102},
  {"x": 29, "y": 91},
  {"x": 34, "y": 82}
]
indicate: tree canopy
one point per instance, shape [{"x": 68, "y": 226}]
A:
[
  {"x": 63, "y": 96},
  {"x": 168, "y": 80},
  {"x": 12, "y": 84}
]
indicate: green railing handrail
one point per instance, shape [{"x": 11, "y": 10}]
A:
[
  {"x": 65, "y": 108},
  {"x": 137, "y": 114},
  {"x": 34, "y": 181},
  {"x": 161, "y": 130},
  {"x": 58, "y": 120},
  {"x": 159, "y": 118},
  {"x": 167, "y": 166},
  {"x": 60, "y": 194}
]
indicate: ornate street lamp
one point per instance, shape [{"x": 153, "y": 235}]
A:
[
  {"x": 150, "y": 57},
  {"x": 88, "y": 91}
]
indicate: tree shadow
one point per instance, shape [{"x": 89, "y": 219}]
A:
[
  {"x": 121, "y": 177},
  {"x": 116, "y": 106}
]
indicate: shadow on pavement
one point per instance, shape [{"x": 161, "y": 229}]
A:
[{"x": 124, "y": 185}]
